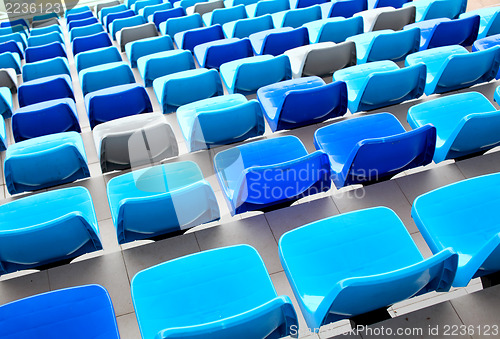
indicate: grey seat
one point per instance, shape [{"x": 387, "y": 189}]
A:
[
  {"x": 387, "y": 18},
  {"x": 106, "y": 4},
  {"x": 205, "y": 7},
  {"x": 322, "y": 58},
  {"x": 45, "y": 23},
  {"x": 134, "y": 141},
  {"x": 8, "y": 78},
  {"x": 130, "y": 34}
]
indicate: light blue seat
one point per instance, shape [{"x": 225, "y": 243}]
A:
[
  {"x": 264, "y": 175},
  {"x": 215, "y": 53},
  {"x": 79, "y": 16},
  {"x": 490, "y": 20},
  {"x": 184, "y": 87},
  {"x": 156, "y": 65},
  {"x": 96, "y": 57},
  {"x": 453, "y": 67},
  {"x": 296, "y": 17},
  {"x": 223, "y": 15},
  {"x": 243, "y": 302},
  {"x": 119, "y": 24},
  {"x": 220, "y": 120},
  {"x": 116, "y": 102},
  {"x": 278, "y": 40},
  {"x": 354, "y": 261},
  {"x": 189, "y": 39},
  {"x": 381, "y": 83},
  {"x": 14, "y": 29},
  {"x": 45, "y": 161},
  {"x": 333, "y": 29},
  {"x": 144, "y": 3},
  {"x": 45, "y": 30},
  {"x": 10, "y": 60},
  {"x": 244, "y": 27},
  {"x": 143, "y": 47},
  {"x": 462, "y": 216},
  {"x": 433, "y": 9},
  {"x": 90, "y": 42},
  {"x": 386, "y": 45},
  {"x": 103, "y": 76},
  {"x": 373, "y": 148},
  {"x": 445, "y": 32},
  {"x": 185, "y": 4},
  {"x": 300, "y": 102},
  {"x": 44, "y": 52},
  {"x": 247, "y": 75},
  {"x": 45, "y": 68},
  {"x": 148, "y": 11},
  {"x": 17, "y": 37},
  {"x": 45, "y": 16},
  {"x": 81, "y": 23},
  {"x": 115, "y": 16},
  {"x": 266, "y": 7},
  {"x": 76, "y": 10},
  {"x": 174, "y": 25},
  {"x": 85, "y": 31},
  {"x": 44, "y": 118},
  {"x": 232, "y": 3},
  {"x": 44, "y": 89},
  {"x": 162, "y": 16},
  {"x": 44, "y": 39},
  {"x": 497, "y": 94},
  {"x": 51, "y": 227},
  {"x": 6, "y": 107},
  {"x": 103, "y": 13},
  {"x": 12, "y": 47},
  {"x": 3, "y": 132},
  {"x": 467, "y": 124},
  {"x": 159, "y": 200}
]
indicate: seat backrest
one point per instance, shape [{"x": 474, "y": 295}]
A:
[
  {"x": 297, "y": 17},
  {"x": 223, "y": 15},
  {"x": 327, "y": 60},
  {"x": 90, "y": 42},
  {"x": 120, "y": 24},
  {"x": 181, "y": 24},
  {"x": 97, "y": 57},
  {"x": 271, "y": 6},
  {"x": 339, "y": 31},
  {"x": 162, "y": 16},
  {"x": 347, "y": 8},
  {"x": 272, "y": 70},
  {"x": 197, "y": 36},
  {"x": 131, "y": 34},
  {"x": 49, "y": 51},
  {"x": 244, "y": 27},
  {"x": 86, "y": 30},
  {"x": 445, "y": 9},
  {"x": 277, "y": 43},
  {"x": 219, "y": 54},
  {"x": 110, "y": 75},
  {"x": 50, "y": 88},
  {"x": 81, "y": 23},
  {"x": 45, "y": 68},
  {"x": 207, "y": 7},
  {"x": 493, "y": 26},
  {"x": 455, "y": 32},
  {"x": 118, "y": 15},
  {"x": 394, "y": 46},
  {"x": 395, "y": 19}
]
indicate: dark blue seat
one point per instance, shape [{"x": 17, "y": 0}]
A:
[
  {"x": 162, "y": 16},
  {"x": 191, "y": 38},
  {"x": 304, "y": 101},
  {"x": 15, "y": 23},
  {"x": 372, "y": 148},
  {"x": 44, "y": 118},
  {"x": 44, "y": 89},
  {"x": 81, "y": 23},
  {"x": 12, "y": 47},
  {"x": 343, "y": 8},
  {"x": 278, "y": 40},
  {"x": 116, "y": 102},
  {"x": 44, "y": 52},
  {"x": 90, "y": 42},
  {"x": 213, "y": 54},
  {"x": 114, "y": 16},
  {"x": 79, "y": 16},
  {"x": 386, "y": 3}
]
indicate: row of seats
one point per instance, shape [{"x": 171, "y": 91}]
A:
[{"x": 245, "y": 301}]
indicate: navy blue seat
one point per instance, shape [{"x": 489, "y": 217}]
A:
[
  {"x": 162, "y": 16},
  {"x": 90, "y": 42},
  {"x": 12, "y": 47},
  {"x": 343, "y": 8},
  {"x": 277, "y": 41},
  {"x": 213, "y": 54},
  {"x": 15, "y": 23},
  {"x": 81, "y": 23},
  {"x": 44, "y": 89},
  {"x": 191, "y": 38},
  {"x": 79, "y": 16},
  {"x": 304, "y": 101},
  {"x": 44, "y": 118},
  {"x": 373, "y": 148},
  {"x": 116, "y": 102},
  {"x": 53, "y": 50}
]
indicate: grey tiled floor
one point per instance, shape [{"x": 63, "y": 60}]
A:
[{"x": 115, "y": 265}]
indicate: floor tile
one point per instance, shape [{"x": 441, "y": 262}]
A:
[
  {"x": 23, "y": 286},
  {"x": 128, "y": 327},
  {"x": 480, "y": 165}
]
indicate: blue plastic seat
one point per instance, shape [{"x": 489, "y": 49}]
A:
[
  {"x": 343, "y": 8},
  {"x": 44, "y": 52},
  {"x": 14, "y": 29},
  {"x": 103, "y": 76},
  {"x": 462, "y": 216},
  {"x": 90, "y": 42},
  {"x": 264, "y": 175},
  {"x": 156, "y": 65},
  {"x": 45, "y": 16},
  {"x": 467, "y": 124},
  {"x": 81, "y": 23},
  {"x": 223, "y": 15},
  {"x": 305, "y": 3},
  {"x": 44, "y": 89},
  {"x": 263, "y": 7},
  {"x": 45, "y": 68},
  {"x": 79, "y": 16},
  {"x": 333, "y": 29},
  {"x": 116, "y": 102},
  {"x": 300, "y": 102},
  {"x": 143, "y": 47},
  {"x": 85, "y": 31},
  {"x": 119, "y": 24},
  {"x": 296, "y": 17},
  {"x": 453, "y": 67},
  {"x": 17, "y": 37},
  {"x": 189, "y": 39},
  {"x": 12, "y": 47},
  {"x": 159, "y": 200},
  {"x": 244, "y": 27},
  {"x": 96, "y": 57},
  {"x": 10, "y": 60},
  {"x": 44, "y": 118},
  {"x": 76, "y": 10},
  {"x": 247, "y": 75},
  {"x": 374, "y": 148},
  {"x": 137, "y": 6},
  {"x": 184, "y": 87},
  {"x": 381, "y": 83},
  {"x": 104, "y": 12},
  {"x": 278, "y": 40},
  {"x": 164, "y": 15},
  {"x": 386, "y": 45},
  {"x": 386, "y": 3},
  {"x": 490, "y": 20},
  {"x": 215, "y": 53},
  {"x": 175, "y": 25},
  {"x": 45, "y": 161},
  {"x": 16, "y": 22},
  {"x": 220, "y": 120},
  {"x": 243, "y": 302},
  {"x": 45, "y": 30},
  {"x": 185, "y": 4},
  {"x": 6, "y": 107},
  {"x": 115, "y": 16},
  {"x": 50, "y": 227},
  {"x": 432, "y": 9},
  {"x": 44, "y": 39},
  {"x": 354, "y": 261},
  {"x": 445, "y": 32},
  {"x": 148, "y": 11}
]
